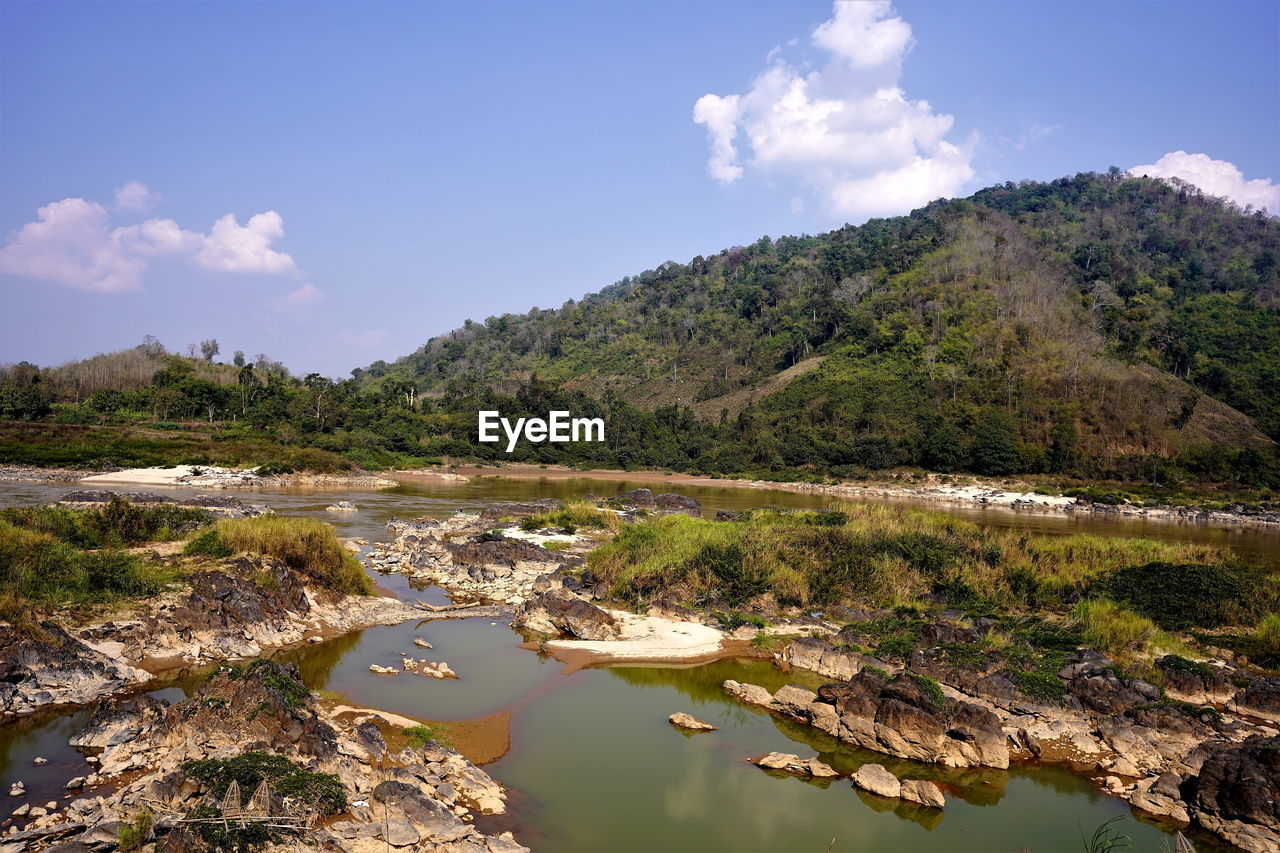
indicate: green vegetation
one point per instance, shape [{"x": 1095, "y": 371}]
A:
[
  {"x": 1093, "y": 328},
  {"x": 306, "y": 545},
  {"x": 322, "y": 792},
  {"x": 1266, "y": 640},
  {"x": 571, "y": 517},
  {"x": 208, "y": 544},
  {"x": 131, "y": 836},
  {"x": 55, "y": 555},
  {"x": 436, "y": 734},
  {"x": 113, "y": 524},
  {"x": 1177, "y": 596},
  {"x": 1110, "y": 628},
  {"x": 882, "y": 556}
]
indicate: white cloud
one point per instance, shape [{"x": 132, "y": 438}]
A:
[
  {"x": 1215, "y": 177},
  {"x": 236, "y": 248},
  {"x": 302, "y": 296},
  {"x": 135, "y": 196},
  {"x": 846, "y": 131},
  {"x": 72, "y": 243}
]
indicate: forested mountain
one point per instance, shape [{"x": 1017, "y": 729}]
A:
[
  {"x": 1099, "y": 323},
  {"x": 1101, "y": 327}
]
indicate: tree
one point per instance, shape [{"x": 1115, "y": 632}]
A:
[
  {"x": 238, "y": 358},
  {"x": 995, "y": 448},
  {"x": 209, "y": 348}
]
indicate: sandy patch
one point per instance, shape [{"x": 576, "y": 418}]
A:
[
  {"x": 178, "y": 475},
  {"x": 649, "y": 638}
]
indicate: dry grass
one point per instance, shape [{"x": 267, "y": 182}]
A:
[{"x": 306, "y": 545}]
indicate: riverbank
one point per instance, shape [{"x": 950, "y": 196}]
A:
[{"x": 940, "y": 490}]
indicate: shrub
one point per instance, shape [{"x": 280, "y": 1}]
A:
[
  {"x": 1111, "y": 628},
  {"x": 1042, "y": 685},
  {"x": 1177, "y": 596},
  {"x": 322, "y": 791},
  {"x": 117, "y": 522},
  {"x": 1266, "y": 639},
  {"x": 131, "y": 836},
  {"x": 306, "y": 545}
]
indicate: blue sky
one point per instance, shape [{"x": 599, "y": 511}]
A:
[{"x": 392, "y": 169}]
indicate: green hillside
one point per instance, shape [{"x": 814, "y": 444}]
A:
[
  {"x": 1099, "y": 324},
  {"x": 1098, "y": 327}
]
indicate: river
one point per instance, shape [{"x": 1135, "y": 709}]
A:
[{"x": 590, "y": 760}]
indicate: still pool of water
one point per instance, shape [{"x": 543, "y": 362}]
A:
[{"x": 590, "y": 760}]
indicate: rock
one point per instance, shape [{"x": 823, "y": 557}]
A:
[
  {"x": 923, "y": 793},
  {"x": 685, "y": 721},
  {"x": 382, "y": 670},
  {"x": 17, "y": 789},
  {"x": 22, "y": 810},
  {"x": 399, "y": 833},
  {"x": 793, "y": 700},
  {"x": 341, "y": 506},
  {"x": 518, "y": 509},
  {"x": 40, "y": 760},
  {"x": 556, "y": 612},
  {"x": 1237, "y": 793},
  {"x": 751, "y": 694},
  {"x": 75, "y": 782},
  {"x": 877, "y": 780},
  {"x": 1198, "y": 683},
  {"x": 421, "y": 643},
  {"x": 1260, "y": 699},
  {"x": 794, "y": 764}
]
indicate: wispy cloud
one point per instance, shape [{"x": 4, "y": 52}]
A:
[
  {"x": 72, "y": 242},
  {"x": 846, "y": 131},
  {"x": 1216, "y": 177},
  {"x": 135, "y": 196},
  {"x": 304, "y": 295}
]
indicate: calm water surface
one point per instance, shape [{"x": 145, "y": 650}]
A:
[{"x": 591, "y": 761}]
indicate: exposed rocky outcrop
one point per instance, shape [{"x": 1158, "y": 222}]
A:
[
  {"x": 418, "y": 796},
  {"x": 556, "y": 613},
  {"x": 1236, "y": 793},
  {"x": 664, "y": 503},
  {"x": 472, "y": 559},
  {"x": 47, "y": 666},
  {"x": 238, "y": 609},
  {"x": 1149, "y": 743},
  {"x": 898, "y": 716}
]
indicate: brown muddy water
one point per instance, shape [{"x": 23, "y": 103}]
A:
[{"x": 590, "y": 760}]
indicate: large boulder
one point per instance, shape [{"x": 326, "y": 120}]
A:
[
  {"x": 1260, "y": 699},
  {"x": 557, "y": 612},
  {"x": 664, "y": 503}
]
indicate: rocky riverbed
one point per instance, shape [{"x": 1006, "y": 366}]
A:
[
  {"x": 420, "y": 798},
  {"x": 1214, "y": 765}
]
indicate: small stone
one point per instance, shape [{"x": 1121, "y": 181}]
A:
[
  {"x": 315, "y": 639},
  {"x": 22, "y": 810},
  {"x": 877, "y": 780},
  {"x": 686, "y": 721},
  {"x": 38, "y": 812},
  {"x": 421, "y": 643},
  {"x": 77, "y": 782},
  {"x": 40, "y": 760},
  {"x": 382, "y": 670},
  {"x": 17, "y": 789}
]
